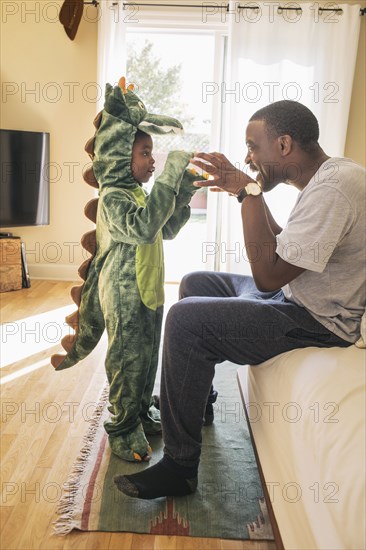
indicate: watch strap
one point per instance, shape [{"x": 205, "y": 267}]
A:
[{"x": 241, "y": 196}]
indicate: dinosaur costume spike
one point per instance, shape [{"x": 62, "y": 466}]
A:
[
  {"x": 90, "y": 178},
  {"x": 89, "y": 147},
  {"x": 123, "y": 290},
  {"x": 68, "y": 342},
  {"x": 98, "y": 120},
  {"x": 76, "y": 294},
  {"x": 73, "y": 319},
  {"x": 89, "y": 241},
  {"x": 84, "y": 268},
  {"x": 90, "y": 210}
]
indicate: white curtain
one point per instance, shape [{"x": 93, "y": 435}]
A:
[
  {"x": 298, "y": 55},
  {"x": 111, "y": 44}
]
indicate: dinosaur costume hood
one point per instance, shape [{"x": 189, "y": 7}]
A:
[{"x": 124, "y": 113}]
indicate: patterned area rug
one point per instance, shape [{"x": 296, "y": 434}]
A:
[{"x": 229, "y": 501}]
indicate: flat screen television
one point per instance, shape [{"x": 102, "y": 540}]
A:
[{"x": 24, "y": 178}]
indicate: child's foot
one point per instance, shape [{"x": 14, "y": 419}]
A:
[
  {"x": 151, "y": 421},
  {"x": 160, "y": 480},
  {"x": 133, "y": 447},
  {"x": 151, "y": 427}
]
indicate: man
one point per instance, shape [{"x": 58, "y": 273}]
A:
[{"x": 308, "y": 285}]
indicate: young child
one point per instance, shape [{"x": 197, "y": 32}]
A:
[{"x": 124, "y": 286}]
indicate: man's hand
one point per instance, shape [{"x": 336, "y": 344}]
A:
[{"x": 223, "y": 175}]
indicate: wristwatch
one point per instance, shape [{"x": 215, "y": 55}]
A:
[{"x": 251, "y": 189}]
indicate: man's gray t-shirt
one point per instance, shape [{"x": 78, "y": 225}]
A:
[{"x": 326, "y": 234}]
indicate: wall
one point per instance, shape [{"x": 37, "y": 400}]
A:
[
  {"x": 356, "y": 134},
  {"x": 48, "y": 84}
]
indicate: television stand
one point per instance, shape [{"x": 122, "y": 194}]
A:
[
  {"x": 7, "y": 235},
  {"x": 11, "y": 264}
]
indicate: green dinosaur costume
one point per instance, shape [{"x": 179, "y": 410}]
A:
[{"x": 123, "y": 290}]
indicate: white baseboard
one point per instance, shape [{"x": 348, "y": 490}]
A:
[
  {"x": 57, "y": 272},
  {"x": 54, "y": 272}
]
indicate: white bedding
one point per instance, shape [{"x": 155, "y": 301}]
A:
[{"x": 307, "y": 413}]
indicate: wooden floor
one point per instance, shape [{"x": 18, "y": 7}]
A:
[{"x": 44, "y": 416}]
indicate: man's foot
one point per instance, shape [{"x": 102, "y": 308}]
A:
[
  {"x": 133, "y": 447},
  {"x": 164, "y": 479}
]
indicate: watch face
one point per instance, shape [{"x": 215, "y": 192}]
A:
[{"x": 253, "y": 189}]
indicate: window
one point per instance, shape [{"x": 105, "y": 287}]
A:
[{"x": 172, "y": 67}]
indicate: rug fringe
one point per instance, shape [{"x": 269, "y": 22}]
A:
[{"x": 66, "y": 507}]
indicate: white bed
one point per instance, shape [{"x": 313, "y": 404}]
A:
[{"x": 307, "y": 415}]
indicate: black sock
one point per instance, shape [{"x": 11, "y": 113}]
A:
[{"x": 164, "y": 479}]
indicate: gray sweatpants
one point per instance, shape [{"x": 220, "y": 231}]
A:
[{"x": 219, "y": 317}]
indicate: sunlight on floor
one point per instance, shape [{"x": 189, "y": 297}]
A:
[
  {"x": 25, "y": 370},
  {"x": 26, "y": 344},
  {"x": 31, "y": 335}
]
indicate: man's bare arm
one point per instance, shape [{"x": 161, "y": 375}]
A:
[
  {"x": 272, "y": 222},
  {"x": 269, "y": 271}
]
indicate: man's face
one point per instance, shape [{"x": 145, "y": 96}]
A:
[
  {"x": 263, "y": 155},
  {"x": 142, "y": 163}
]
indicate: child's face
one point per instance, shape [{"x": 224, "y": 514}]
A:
[{"x": 142, "y": 164}]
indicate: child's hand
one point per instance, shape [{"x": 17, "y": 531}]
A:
[
  {"x": 200, "y": 176},
  {"x": 191, "y": 180},
  {"x": 224, "y": 176}
]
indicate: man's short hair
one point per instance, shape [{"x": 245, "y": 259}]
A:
[{"x": 293, "y": 119}]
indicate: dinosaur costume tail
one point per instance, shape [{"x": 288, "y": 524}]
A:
[{"x": 87, "y": 321}]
